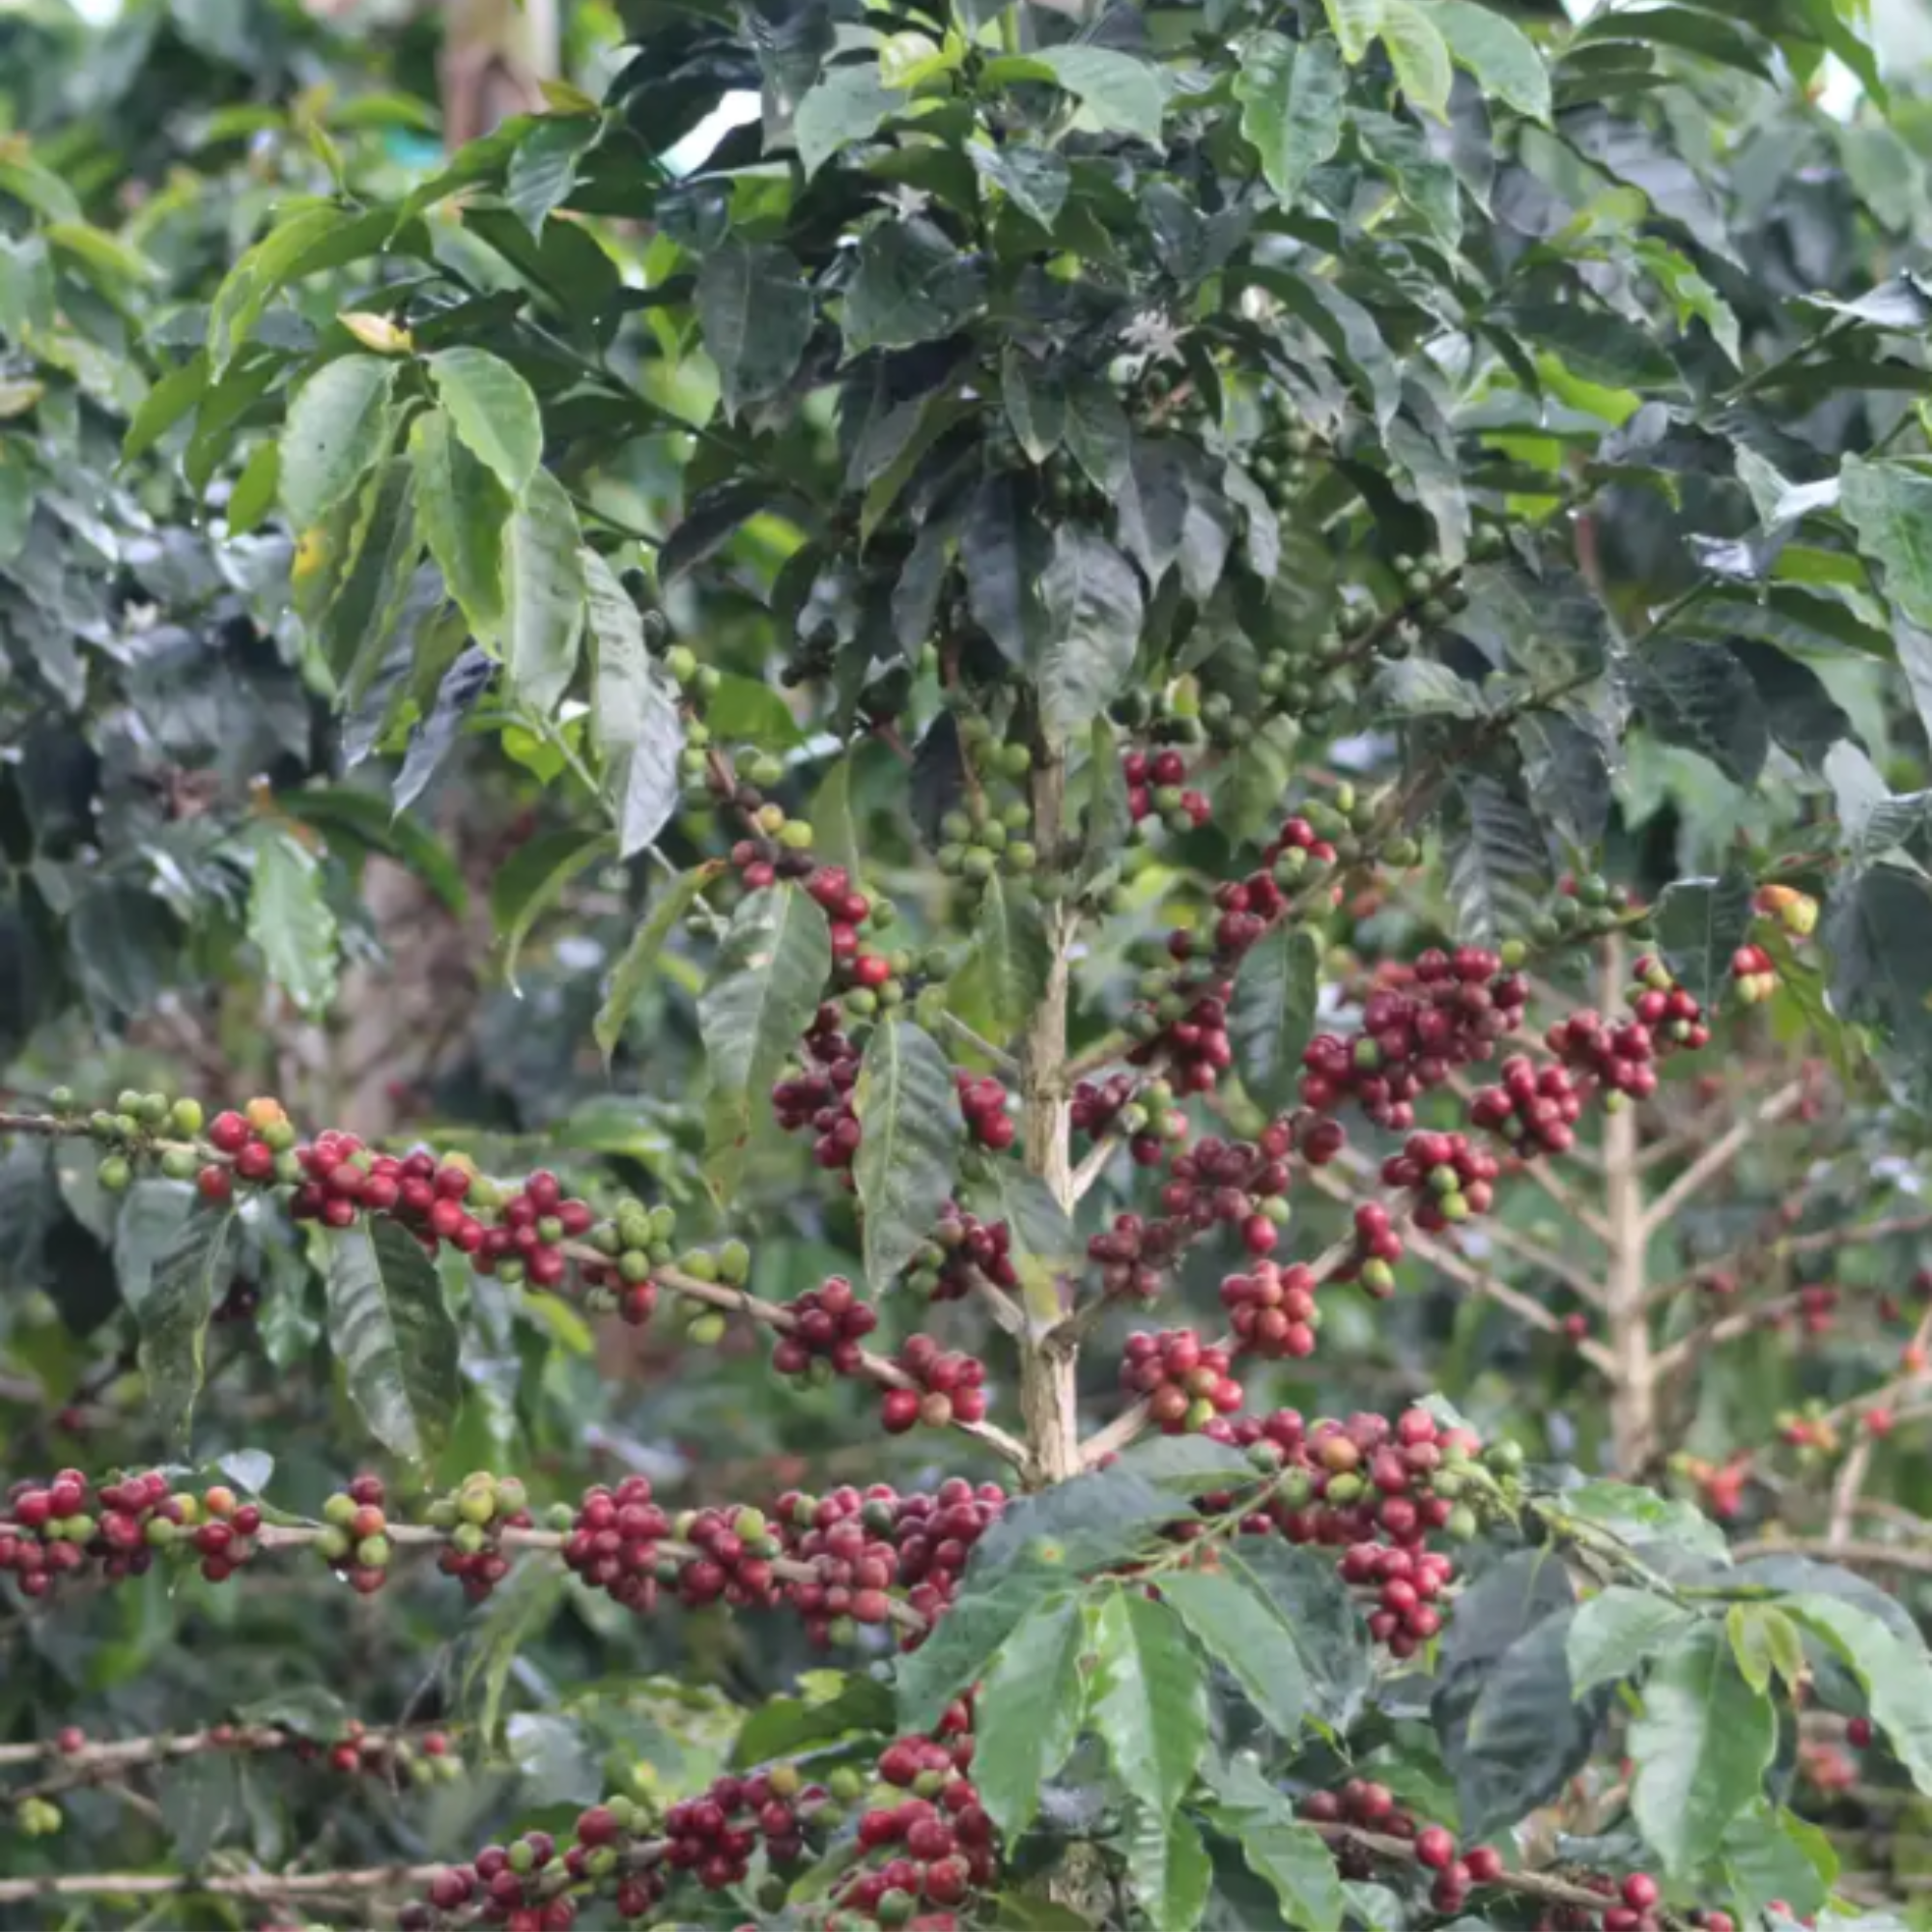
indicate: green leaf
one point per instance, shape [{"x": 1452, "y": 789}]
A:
[
  {"x": 1122, "y": 94},
  {"x": 1878, "y": 939},
  {"x": 1701, "y": 923},
  {"x": 1315, "y": 1604},
  {"x": 165, "y": 405},
  {"x": 533, "y": 878},
  {"x": 1354, "y": 23},
  {"x": 187, "y": 1281},
  {"x": 1168, "y": 1867},
  {"x": 1027, "y": 1715},
  {"x": 769, "y": 978},
  {"x": 543, "y": 618},
  {"x": 354, "y": 819},
  {"x": 1245, "y": 1632},
  {"x": 249, "y": 286},
  {"x": 1035, "y": 180},
  {"x": 338, "y": 429},
  {"x": 1002, "y": 552},
  {"x": 1645, "y": 1519},
  {"x": 756, "y": 315},
  {"x": 1888, "y": 504},
  {"x": 392, "y": 1333},
  {"x": 256, "y": 490},
  {"x": 1617, "y": 1632},
  {"x": 850, "y": 104},
  {"x": 465, "y": 512},
  {"x": 1419, "y": 55},
  {"x": 367, "y": 550},
  {"x": 1771, "y": 1856},
  {"x": 1108, "y": 817},
  {"x": 1700, "y": 1749},
  {"x": 1497, "y": 53},
  {"x": 1891, "y": 1667},
  {"x": 634, "y": 715},
  {"x": 1499, "y": 866},
  {"x": 1293, "y": 1857},
  {"x": 1148, "y": 1701},
  {"x": 911, "y": 285},
  {"x": 1006, "y": 974},
  {"x": 543, "y": 170},
  {"x": 1293, "y": 97},
  {"x": 1699, "y": 695},
  {"x": 493, "y": 410},
  {"x": 980, "y": 1619},
  {"x": 291, "y": 923},
  {"x": 1036, "y": 405},
  {"x": 1766, "y": 1643},
  {"x": 907, "y": 1160},
  {"x": 150, "y": 1222},
  {"x": 1271, "y": 1016},
  {"x": 1093, "y": 607},
  {"x": 1097, "y": 434},
  {"x": 631, "y": 973}
]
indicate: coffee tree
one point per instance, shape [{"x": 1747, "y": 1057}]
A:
[{"x": 1075, "y": 625}]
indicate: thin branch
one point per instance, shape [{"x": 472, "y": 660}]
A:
[
  {"x": 1007, "y": 1067},
  {"x": 1873, "y": 1556},
  {"x": 1094, "y": 1164},
  {"x": 1719, "y": 1154},
  {"x": 1858, "y": 1461},
  {"x": 224, "y": 1884}
]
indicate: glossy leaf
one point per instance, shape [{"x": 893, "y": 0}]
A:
[
  {"x": 633, "y": 971},
  {"x": 1168, "y": 1867},
  {"x": 1419, "y": 53},
  {"x": 465, "y": 512},
  {"x": 909, "y": 1116},
  {"x": 188, "y": 1278},
  {"x": 391, "y": 1331},
  {"x": 1271, "y": 1016},
  {"x": 1501, "y": 57},
  {"x": 1149, "y": 1699},
  {"x": 1028, "y": 1712},
  {"x": 634, "y": 715},
  {"x": 1616, "y": 1632},
  {"x": 1006, "y": 974},
  {"x": 1354, "y": 23},
  {"x": 543, "y": 606},
  {"x": 1242, "y": 1630},
  {"x": 338, "y": 429},
  {"x": 1701, "y": 923},
  {"x": 1293, "y": 95},
  {"x": 1121, "y": 93},
  {"x": 533, "y": 879},
  {"x": 493, "y": 411},
  {"x": 911, "y": 285},
  {"x": 1315, "y": 1604},
  {"x": 1291, "y": 1856},
  {"x": 291, "y": 923},
  {"x": 1093, "y": 613},
  {"x": 1700, "y": 1749},
  {"x": 756, "y": 315},
  {"x": 1892, "y": 1668}
]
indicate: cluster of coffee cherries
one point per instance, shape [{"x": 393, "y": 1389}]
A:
[
  {"x": 1420, "y": 1024},
  {"x": 354, "y": 1539},
  {"x": 612, "y": 1539},
  {"x": 936, "y": 1533},
  {"x": 525, "y": 1885},
  {"x": 979, "y": 842},
  {"x": 949, "y": 1386},
  {"x": 1536, "y": 1110},
  {"x": 1184, "y": 1381},
  {"x": 59, "y": 1528},
  {"x": 1378, "y": 1247},
  {"x": 934, "y": 1847},
  {"x": 1753, "y": 975},
  {"x": 850, "y": 1541},
  {"x": 1720, "y": 1485},
  {"x": 982, "y": 1105},
  {"x": 1618, "y": 1058},
  {"x": 1447, "y": 1177},
  {"x": 1673, "y": 1017},
  {"x": 826, "y": 1338},
  {"x": 1157, "y": 787},
  {"x": 870, "y": 979},
  {"x": 1144, "y": 1110},
  {"x": 1795, "y": 911},
  {"x": 714, "y": 1835},
  {"x": 362, "y": 1752},
  {"x": 474, "y": 1518},
  {"x": 819, "y": 1095},
  {"x": 1271, "y": 1310},
  {"x": 963, "y": 1245},
  {"x": 1372, "y": 1808}
]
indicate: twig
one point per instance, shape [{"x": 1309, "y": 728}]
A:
[
  {"x": 1876, "y": 1556},
  {"x": 1008, "y": 1066},
  {"x": 1720, "y": 1153},
  {"x": 225, "y": 1885},
  {"x": 1858, "y": 1462}
]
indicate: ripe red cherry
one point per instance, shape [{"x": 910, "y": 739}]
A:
[
  {"x": 1858, "y": 1732},
  {"x": 230, "y": 1132},
  {"x": 1434, "y": 1848},
  {"x": 1640, "y": 1891},
  {"x": 215, "y": 1184}
]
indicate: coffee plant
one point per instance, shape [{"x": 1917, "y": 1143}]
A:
[{"x": 973, "y": 973}]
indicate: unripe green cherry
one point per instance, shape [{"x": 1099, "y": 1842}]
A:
[
  {"x": 682, "y": 664},
  {"x": 476, "y": 1505},
  {"x": 707, "y": 1330},
  {"x": 339, "y": 1509},
  {"x": 187, "y": 1116},
  {"x": 373, "y": 1552},
  {"x": 701, "y": 1264},
  {"x": 795, "y": 833},
  {"x": 332, "y": 1543},
  {"x": 116, "y": 1176},
  {"x": 467, "y": 1539},
  {"x": 734, "y": 1263}
]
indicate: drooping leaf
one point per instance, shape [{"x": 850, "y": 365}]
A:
[
  {"x": 1097, "y": 434},
  {"x": 1698, "y": 695},
  {"x": 1242, "y": 1630},
  {"x": 338, "y": 429},
  {"x": 1354, "y": 23},
  {"x": 1271, "y": 1017},
  {"x": 1499, "y": 866},
  {"x": 955, "y": 1656},
  {"x": 543, "y": 170},
  {"x": 1293, "y": 95},
  {"x": 1169, "y": 1869},
  {"x": 1027, "y": 1715},
  {"x": 1004, "y": 553},
  {"x": 849, "y": 104},
  {"x": 1771, "y": 1855},
  {"x": 1035, "y": 404},
  {"x": 1290, "y": 1855},
  {"x": 1700, "y": 1749},
  {"x": 1701, "y": 923},
  {"x": 1878, "y": 939},
  {"x": 1093, "y": 611},
  {"x": 1891, "y": 1667},
  {"x": 910, "y": 286},
  {"x": 464, "y": 513},
  {"x": 1006, "y": 974},
  {"x": 1125, "y": 95},
  {"x": 1497, "y": 53},
  {"x": 543, "y": 608},
  {"x": 1149, "y": 1700},
  {"x": 147, "y": 1227},
  {"x": 1765, "y": 1644},
  {"x": 1646, "y": 1520},
  {"x": 1617, "y": 1632},
  {"x": 391, "y": 1330},
  {"x": 1419, "y": 55},
  {"x": 291, "y": 923},
  {"x": 1314, "y": 1603},
  {"x": 188, "y": 1280},
  {"x": 633, "y": 717},
  {"x": 1035, "y": 180},
  {"x": 493, "y": 411},
  {"x": 633, "y": 971},
  {"x": 909, "y": 1116},
  {"x": 766, "y": 986},
  {"x": 530, "y": 883},
  {"x": 756, "y": 316}
]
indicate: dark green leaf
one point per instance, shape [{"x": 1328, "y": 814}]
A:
[
  {"x": 1890, "y": 505},
  {"x": 911, "y": 285},
  {"x": 1153, "y": 499},
  {"x": 1293, "y": 1857},
  {"x": 1168, "y": 1867},
  {"x": 166, "y": 404},
  {"x": 1768, "y": 1854},
  {"x": 1003, "y": 549},
  {"x": 338, "y": 429},
  {"x": 1644, "y": 1519},
  {"x": 1699, "y": 697},
  {"x": 1422, "y": 688},
  {"x": 1499, "y": 866},
  {"x": 1242, "y": 1630},
  {"x": 1035, "y": 180},
  {"x": 1293, "y": 95},
  {"x": 1617, "y": 1632},
  {"x": 1879, "y": 937},
  {"x": 493, "y": 411},
  {"x": 1701, "y": 923},
  {"x": 1271, "y": 1017},
  {"x": 1122, "y": 94},
  {"x": 370, "y": 546},
  {"x": 1097, "y": 434},
  {"x": 147, "y": 1227},
  {"x": 465, "y": 512},
  {"x": 392, "y": 1333},
  {"x": 784, "y": 1726},
  {"x": 1027, "y": 1715},
  {"x": 543, "y": 170},
  {"x": 1699, "y": 1750},
  {"x": 1094, "y": 612},
  {"x": 543, "y": 618},
  {"x": 291, "y": 923},
  {"x": 1594, "y": 344},
  {"x": 1802, "y": 714},
  {"x": 1566, "y": 775},
  {"x": 980, "y": 1619},
  {"x": 631, "y": 973},
  {"x": 1315, "y": 1604},
  {"x": 532, "y": 879},
  {"x": 189, "y": 1279},
  {"x": 1036, "y": 405},
  {"x": 756, "y": 315},
  {"x": 1006, "y": 974},
  {"x": 1149, "y": 1699},
  {"x": 849, "y": 104},
  {"x": 909, "y": 1115},
  {"x": 1711, "y": 33}
]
